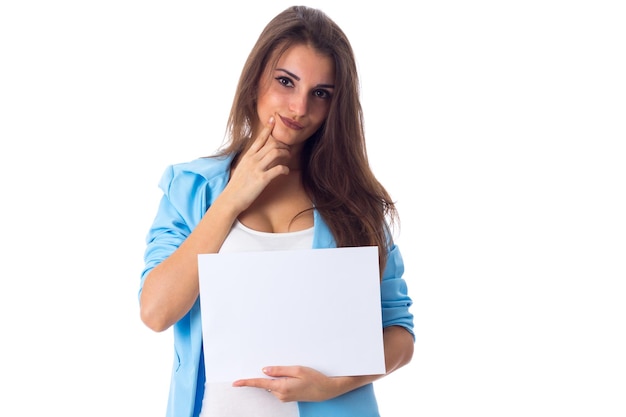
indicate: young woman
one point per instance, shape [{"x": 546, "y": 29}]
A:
[{"x": 294, "y": 174}]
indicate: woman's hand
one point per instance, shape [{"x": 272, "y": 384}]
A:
[
  {"x": 299, "y": 383},
  {"x": 294, "y": 383},
  {"x": 265, "y": 160}
]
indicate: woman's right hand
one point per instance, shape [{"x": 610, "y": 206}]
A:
[{"x": 265, "y": 160}]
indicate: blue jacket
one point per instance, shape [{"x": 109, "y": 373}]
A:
[{"x": 189, "y": 189}]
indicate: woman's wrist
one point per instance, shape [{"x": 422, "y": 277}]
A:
[{"x": 344, "y": 384}]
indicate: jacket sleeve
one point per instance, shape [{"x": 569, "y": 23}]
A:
[
  {"x": 394, "y": 293},
  {"x": 180, "y": 209}
]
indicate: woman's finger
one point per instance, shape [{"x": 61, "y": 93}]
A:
[{"x": 266, "y": 132}]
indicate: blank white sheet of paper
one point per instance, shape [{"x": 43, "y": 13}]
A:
[{"x": 318, "y": 308}]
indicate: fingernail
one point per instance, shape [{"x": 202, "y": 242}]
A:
[
  {"x": 265, "y": 370},
  {"x": 271, "y": 119}
]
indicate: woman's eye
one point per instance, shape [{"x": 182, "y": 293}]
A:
[
  {"x": 322, "y": 94},
  {"x": 284, "y": 81}
]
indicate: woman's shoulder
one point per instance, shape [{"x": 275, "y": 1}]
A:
[
  {"x": 207, "y": 167},
  {"x": 194, "y": 173}
]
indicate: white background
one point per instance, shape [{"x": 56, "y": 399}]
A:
[{"x": 498, "y": 126}]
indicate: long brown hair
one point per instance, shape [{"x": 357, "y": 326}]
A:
[{"x": 335, "y": 168}]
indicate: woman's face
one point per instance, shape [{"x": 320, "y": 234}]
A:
[{"x": 297, "y": 92}]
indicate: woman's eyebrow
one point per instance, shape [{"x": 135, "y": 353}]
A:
[{"x": 291, "y": 74}]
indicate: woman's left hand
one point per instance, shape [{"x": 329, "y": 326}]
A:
[
  {"x": 294, "y": 383},
  {"x": 299, "y": 383}
]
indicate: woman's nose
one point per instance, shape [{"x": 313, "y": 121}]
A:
[{"x": 298, "y": 104}]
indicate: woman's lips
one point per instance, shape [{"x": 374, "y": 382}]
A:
[{"x": 292, "y": 124}]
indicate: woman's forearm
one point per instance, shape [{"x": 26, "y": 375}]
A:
[
  {"x": 172, "y": 287},
  {"x": 398, "y": 345}
]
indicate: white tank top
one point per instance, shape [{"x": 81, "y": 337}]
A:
[{"x": 221, "y": 399}]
